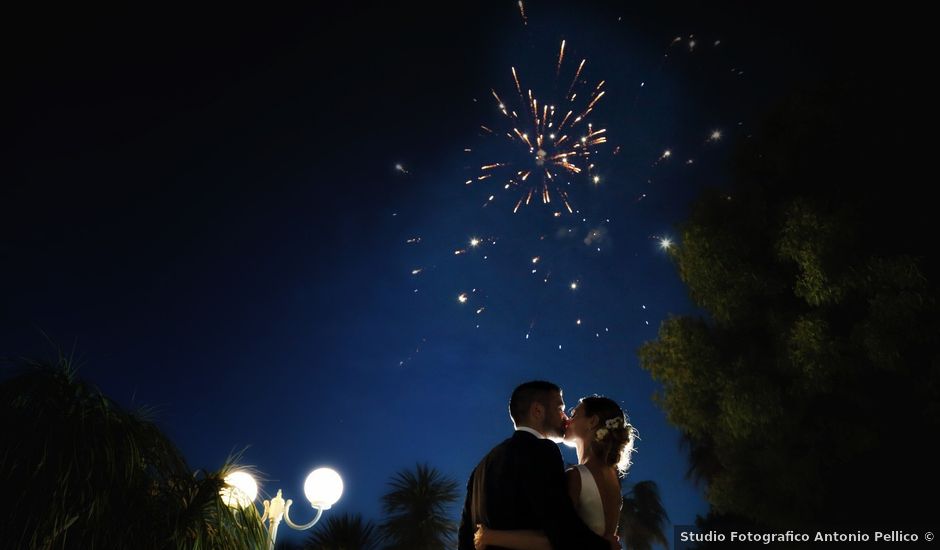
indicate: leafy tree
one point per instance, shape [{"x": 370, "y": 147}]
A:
[{"x": 808, "y": 387}]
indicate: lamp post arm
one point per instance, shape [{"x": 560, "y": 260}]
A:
[
  {"x": 264, "y": 516},
  {"x": 305, "y": 526}
]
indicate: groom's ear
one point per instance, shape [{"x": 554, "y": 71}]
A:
[{"x": 535, "y": 410}]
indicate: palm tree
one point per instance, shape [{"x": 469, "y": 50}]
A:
[
  {"x": 346, "y": 532},
  {"x": 416, "y": 510},
  {"x": 78, "y": 471},
  {"x": 643, "y": 517}
]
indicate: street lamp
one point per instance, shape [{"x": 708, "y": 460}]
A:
[{"x": 323, "y": 487}]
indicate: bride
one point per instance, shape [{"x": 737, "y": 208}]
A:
[{"x": 604, "y": 438}]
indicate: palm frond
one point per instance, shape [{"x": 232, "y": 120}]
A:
[
  {"x": 81, "y": 472},
  {"x": 345, "y": 532},
  {"x": 417, "y": 509},
  {"x": 643, "y": 517}
]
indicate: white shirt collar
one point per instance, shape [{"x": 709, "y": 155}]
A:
[{"x": 531, "y": 431}]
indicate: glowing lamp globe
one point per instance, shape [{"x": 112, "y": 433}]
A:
[
  {"x": 240, "y": 490},
  {"x": 323, "y": 488}
]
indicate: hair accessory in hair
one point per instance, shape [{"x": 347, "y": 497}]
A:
[{"x": 612, "y": 424}]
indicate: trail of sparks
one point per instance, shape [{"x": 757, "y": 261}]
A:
[
  {"x": 666, "y": 154},
  {"x": 574, "y": 80}
]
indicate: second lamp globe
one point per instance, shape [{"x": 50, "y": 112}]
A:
[{"x": 323, "y": 488}]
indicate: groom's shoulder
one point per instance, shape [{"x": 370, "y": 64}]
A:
[
  {"x": 518, "y": 442},
  {"x": 503, "y": 446},
  {"x": 548, "y": 447},
  {"x": 522, "y": 441},
  {"x": 526, "y": 443}
]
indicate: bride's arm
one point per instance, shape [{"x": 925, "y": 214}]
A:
[
  {"x": 526, "y": 539},
  {"x": 573, "y": 478},
  {"x": 518, "y": 540}
]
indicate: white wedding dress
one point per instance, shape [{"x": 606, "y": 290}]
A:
[{"x": 590, "y": 507}]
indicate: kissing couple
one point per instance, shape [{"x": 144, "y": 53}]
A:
[{"x": 520, "y": 496}]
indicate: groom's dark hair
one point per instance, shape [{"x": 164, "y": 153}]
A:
[{"x": 536, "y": 391}]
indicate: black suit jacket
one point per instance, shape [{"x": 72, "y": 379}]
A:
[{"x": 520, "y": 484}]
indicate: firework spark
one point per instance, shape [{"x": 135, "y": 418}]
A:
[
  {"x": 549, "y": 144},
  {"x": 666, "y": 154}
]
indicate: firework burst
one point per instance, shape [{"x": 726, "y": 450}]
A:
[{"x": 549, "y": 142}]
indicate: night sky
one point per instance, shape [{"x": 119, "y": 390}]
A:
[{"x": 206, "y": 207}]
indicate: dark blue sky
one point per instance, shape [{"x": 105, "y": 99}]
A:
[{"x": 205, "y": 205}]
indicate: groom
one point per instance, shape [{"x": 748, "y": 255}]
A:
[{"x": 520, "y": 484}]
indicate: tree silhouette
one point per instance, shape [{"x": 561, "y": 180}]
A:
[
  {"x": 643, "y": 518},
  {"x": 416, "y": 510},
  {"x": 345, "y": 532},
  {"x": 80, "y": 472},
  {"x": 816, "y": 363}
]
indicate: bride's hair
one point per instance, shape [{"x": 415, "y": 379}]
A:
[{"x": 616, "y": 445}]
